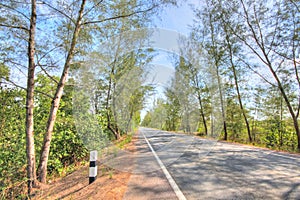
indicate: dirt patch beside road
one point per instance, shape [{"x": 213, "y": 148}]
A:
[{"x": 110, "y": 184}]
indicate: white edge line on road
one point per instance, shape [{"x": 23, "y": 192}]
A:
[
  {"x": 264, "y": 151},
  {"x": 172, "y": 182},
  {"x": 277, "y": 154}
]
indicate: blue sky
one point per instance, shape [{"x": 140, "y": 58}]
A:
[
  {"x": 162, "y": 70},
  {"x": 178, "y": 18}
]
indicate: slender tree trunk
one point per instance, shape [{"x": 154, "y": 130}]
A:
[
  {"x": 236, "y": 81},
  {"x": 114, "y": 131},
  {"x": 222, "y": 105},
  {"x": 288, "y": 103},
  {"x": 30, "y": 151},
  {"x": 129, "y": 120},
  {"x": 212, "y": 124},
  {"x": 201, "y": 105},
  {"x": 280, "y": 125},
  {"x": 217, "y": 57},
  {"x": 116, "y": 120},
  {"x": 202, "y": 113},
  {"x": 242, "y": 106},
  {"x": 286, "y": 99},
  {"x": 284, "y": 95},
  {"x": 264, "y": 57},
  {"x": 42, "y": 170},
  {"x": 111, "y": 125},
  {"x": 298, "y": 134},
  {"x": 238, "y": 89},
  {"x": 110, "y": 110}
]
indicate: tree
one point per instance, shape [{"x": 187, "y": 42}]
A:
[
  {"x": 173, "y": 110},
  {"x": 268, "y": 48},
  {"x": 146, "y": 120},
  {"x": 30, "y": 151},
  {"x": 129, "y": 92},
  {"x": 263, "y": 36},
  {"x": 42, "y": 169},
  {"x": 158, "y": 114},
  {"x": 137, "y": 9},
  {"x": 46, "y": 51},
  {"x": 207, "y": 34},
  {"x": 12, "y": 141},
  {"x": 194, "y": 71},
  {"x": 232, "y": 50}
]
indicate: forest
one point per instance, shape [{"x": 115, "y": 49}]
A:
[
  {"x": 72, "y": 79},
  {"x": 238, "y": 74}
]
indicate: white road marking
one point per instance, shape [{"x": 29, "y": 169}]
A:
[
  {"x": 259, "y": 150},
  {"x": 269, "y": 152},
  {"x": 279, "y": 155},
  {"x": 172, "y": 182}
]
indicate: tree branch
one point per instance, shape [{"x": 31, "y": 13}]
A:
[
  {"x": 261, "y": 76},
  {"x": 23, "y": 88},
  {"x": 41, "y": 66},
  {"x": 45, "y": 71},
  {"x": 11, "y": 8},
  {"x": 60, "y": 12},
  {"x": 89, "y": 10},
  {"x": 294, "y": 3},
  {"x": 120, "y": 16},
  {"x": 15, "y": 27},
  {"x": 284, "y": 56}
]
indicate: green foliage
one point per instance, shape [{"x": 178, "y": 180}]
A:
[
  {"x": 67, "y": 148},
  {"x": 119, "y": 94},
  {"x": 147, "y": 120},
  {"x": 12, "y": 141},
  {"x": 226, "y": 32},
  {"x": 126, "y": 140},
  {"x": 4, "y": 72},
  {"x": 173, "y": 110},
  {"x": 235, "y": 120},
  {"x": 52, "y": 43}
]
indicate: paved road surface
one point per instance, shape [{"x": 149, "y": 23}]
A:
[{"x": 206, "y": 169}]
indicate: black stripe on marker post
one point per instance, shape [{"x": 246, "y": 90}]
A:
[
  {"x": 92, "y": 163},
  {"x": 92, "y": 179}
]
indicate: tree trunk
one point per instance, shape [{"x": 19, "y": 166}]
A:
[
  {"x": 202, "y": 113},
  {"x": 201, "y": 106},
  {"x": 222, "y": 105},
  {"x": 266, "y": 60},
  {"x": 281, "y": 125},
  {"x": 217, "y": 57},
  {"x": 298, "y": 133},
  {"x": 238, "y": 89},
  {"x": 287, "y": 101},
  {"x": 42, "y": 170},
  {"x": 290, "y": 108},
  {"x": 284, "y": 95},
  {"x": 30, "y": 151},
  {"x": 129, "y": 120},
  {"x": 108, "y": 110},
  {"x": 114, "y": 131}
]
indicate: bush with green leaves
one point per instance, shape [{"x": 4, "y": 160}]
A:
[
  {"x": 66, "y": 150},
  {"x": 12, "y": 140}
]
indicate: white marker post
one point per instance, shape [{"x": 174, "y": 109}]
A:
[{"x": 93, "y": 166}]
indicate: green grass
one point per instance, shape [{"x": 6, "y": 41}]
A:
[{"x": 125, "y": 140}]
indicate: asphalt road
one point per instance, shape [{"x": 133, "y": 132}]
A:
[{"x": 207, "y": 169}]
